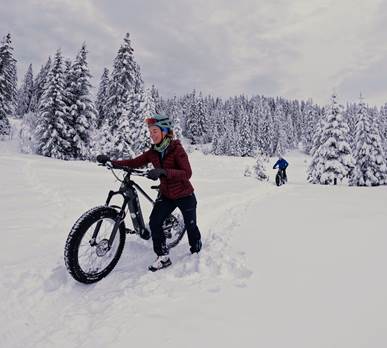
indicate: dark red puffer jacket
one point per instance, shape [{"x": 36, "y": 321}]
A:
[{"x": 175, "y": 162}]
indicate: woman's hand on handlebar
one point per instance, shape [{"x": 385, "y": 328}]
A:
[
  {"x": 103, "y": 159},
  {"x": 155, "y": 173}
]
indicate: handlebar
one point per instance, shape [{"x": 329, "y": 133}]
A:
[{"x": 137, "y": 172}]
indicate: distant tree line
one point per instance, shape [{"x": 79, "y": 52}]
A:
[{"x": 60, "y": 119}]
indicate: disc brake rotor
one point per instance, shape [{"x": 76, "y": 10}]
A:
[{"x": 102, "y": 248}]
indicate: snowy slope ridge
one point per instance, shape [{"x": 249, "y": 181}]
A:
[{"x": 296, "y": 266}]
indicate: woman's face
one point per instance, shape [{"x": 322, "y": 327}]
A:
[{"x": 156, "y": 134}]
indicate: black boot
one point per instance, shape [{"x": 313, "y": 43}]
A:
[{"x": 196, "y": 247}]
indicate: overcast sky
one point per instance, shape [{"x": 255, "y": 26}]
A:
[{"x": 291, "y": 48}]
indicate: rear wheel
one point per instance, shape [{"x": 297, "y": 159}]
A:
[
  {"x": 88, "y": 260},
  {"x": 174, "y": 229},
  {"x": 278, "y": 179}
]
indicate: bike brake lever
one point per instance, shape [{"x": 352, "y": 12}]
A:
[{"x": 139, "y": 172}]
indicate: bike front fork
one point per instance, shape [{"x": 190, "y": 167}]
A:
[{"x": 117, "y": 222}]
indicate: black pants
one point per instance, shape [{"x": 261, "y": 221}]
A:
[{"x": 162, "y": 208}]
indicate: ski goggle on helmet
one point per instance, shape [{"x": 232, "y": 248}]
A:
[{"x": 159, "y": 121}]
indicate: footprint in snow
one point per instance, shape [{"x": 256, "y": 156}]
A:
[{"x": 56, "y": 279}]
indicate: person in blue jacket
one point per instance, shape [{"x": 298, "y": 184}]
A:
[{"x": 282, "y": 164}]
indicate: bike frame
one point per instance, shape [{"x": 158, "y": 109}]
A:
[{"x": 128, "y": 191}]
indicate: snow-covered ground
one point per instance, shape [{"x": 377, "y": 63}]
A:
[{"x": 297, "y": 266}]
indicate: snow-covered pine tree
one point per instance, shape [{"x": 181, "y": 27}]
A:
[
  {"x": 188, "y": 103},
  {"x": 285, "y": 114},
  {"x": 212, "y": 106},
  {"x": 68, "y": 82},
  {"x": 266, "y": 129},
  {"x": 316, "y": 139},
  {"x": 383, "y": 131},
  {"x": 132, "y": 123},
  {"x": 350, "y": 115},
  {"x": 224, "y": 130},
  {"x": 233, "y": 130},
  {"x": 67, "y": 66},
  {"x": 8, "y": 85},
  {"x": 174, "y": 114},
  {"x": 333, "y": 160},
  {"x": 28, "y": 142},
  {"x": 314, "y": 170},
  {"x": 244, "y": 134},
  {"x": 102, "y": 96},
  {"x": 227, "y": 137},
  {"x": 293, "y": 119},
  {"x": 258, "y": 170},
  {"x": 149, "y": 105},
  {"x": 280, "y": 134},
  {"x": 218, "y": 132},
  {"x": 19, "y": 97},
  {"x": 25, "y": 94},
  {"x": 185, "y": 102},
  {"x": 232, "y": 143},
  {"x": 118, "y": 131},
  {"x": 255, "y": 119},
  {"x": 140, "y": 138},
  {"x": 39, "y": 85},
  {"x": 370, "y": 168},
  {"x": 9, "y": 71},
  {"x": 121, "y": 145},
  {"x": 147, "y": 109},
  {"x": 309, "y": 126},
  {"x": 196, "y": 122},
  {"x": 156, "y": 97},
  {"x": 52, "y": 133},
  {"x": 215, "y": 143},
  {"x": 5, "y": 127},
  {"x": 81, "y": 112}
]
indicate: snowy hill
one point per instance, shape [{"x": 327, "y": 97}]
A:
[{"x": 297, "y": 266}]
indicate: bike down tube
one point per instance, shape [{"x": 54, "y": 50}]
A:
[
  {"x": 143, "y": 193},
  {"x": 135, "y": 208}
]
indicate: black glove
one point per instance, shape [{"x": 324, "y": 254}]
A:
[
  {"x": 154, "y": 174},
  {"x": 102, "y": 159}
]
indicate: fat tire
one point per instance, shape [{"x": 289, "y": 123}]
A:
[
  {"x": 76, "y": 234},
  {"x": 278, "y": 180},
  {"x": 178, "y": 236}
]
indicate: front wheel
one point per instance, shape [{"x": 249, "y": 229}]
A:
[{"x": 90, "y": 259}]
